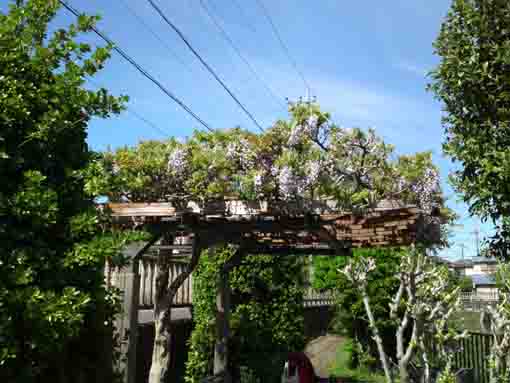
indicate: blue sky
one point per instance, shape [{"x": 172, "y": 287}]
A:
[{"x": 365, "y": 60}]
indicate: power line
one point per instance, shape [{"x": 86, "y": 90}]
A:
[
  {"x": 243, "y": 14},
  {"x": 227, "y": 38},
  {"x": 147, "y": 122},
  {"x": 132, "y": 111},
  {"x": 140, "y": 19},
  {"x": 140, "y": 69},
  {"x": 204, "y": 63},
  {"x": 282, "y": 43}
]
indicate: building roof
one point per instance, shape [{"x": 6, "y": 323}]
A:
[
  {"x": 439, "y": 260},
  {"x": 461, "y": 263},
  {"x": 483, "y": 280},
  {"x": 478, "y": 260}
]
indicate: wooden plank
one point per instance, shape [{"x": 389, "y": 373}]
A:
[{"x": 142, "y": 209}]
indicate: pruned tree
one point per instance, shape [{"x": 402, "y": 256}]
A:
[
  {"x": 423, "y": 304},
  {"x": 350, "y": 317},
  {"x": 497, "y": 319}
]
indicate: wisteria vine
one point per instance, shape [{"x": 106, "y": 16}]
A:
[{"x": 305, "y": 158}]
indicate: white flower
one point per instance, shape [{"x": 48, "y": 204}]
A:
[
  {"x": 177, "y": 161},
  {"x": 296, "y": 134},
  {"x": 115, "y": 168},
  {"x": 257, "y": 182},
  {"x": 287, "y": 182},
  {"x": 313, "y": 172},
  {"x": 241, "y": 152}
]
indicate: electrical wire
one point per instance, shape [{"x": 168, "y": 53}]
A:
[
  {"x": 141, "y": 21},
  {"x": 140, "y": 69},
  {"x": 147, "y": 122},
  {"x": 229, "y": 40},
  {"x": 243, "y": 15},
  {"x": 282, "y": 43},
  {"x": 204, "y": 63},
  {"x": 132, "y": 111}
]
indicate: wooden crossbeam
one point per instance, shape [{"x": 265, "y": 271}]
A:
[{"x": 279, "y": 231}]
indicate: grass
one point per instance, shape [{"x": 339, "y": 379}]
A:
[{"x": 341, "y": 369}]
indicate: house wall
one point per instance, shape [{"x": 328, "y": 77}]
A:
[
  {"x": 484, "y": 268},
  {"x": 486, "y": 292}
]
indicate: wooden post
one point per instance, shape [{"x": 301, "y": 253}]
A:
[
  {"x": 221, "y": 354},
  {"x": 126, "y": 324}
]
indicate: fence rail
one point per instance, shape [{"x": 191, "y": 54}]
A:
[
  {"x": 148, "y": 270},
  {"x": 474, "y": 355},
  {"x": 484, "y": 296},
  {"x": 314, "y": 298}
]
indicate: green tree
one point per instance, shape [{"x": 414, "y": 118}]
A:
[
  {"x": 473, "y": 82},
  {"x": 51, "y": 289},
  {"x": 350, "y": 318},
  {"x": 267, "y": 314}
]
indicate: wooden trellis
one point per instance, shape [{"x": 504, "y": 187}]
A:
[{"x": 258, "y": 228}]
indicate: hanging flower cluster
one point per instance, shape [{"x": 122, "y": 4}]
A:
[
  {"x": 307, "y": 157},
  {"x": 177, "y": 161}
]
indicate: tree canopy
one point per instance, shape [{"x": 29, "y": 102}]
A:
[
  {"x": 473, "y": 82},
  {"x": 307, "y": 157},
  {"x": 53, "y": 248}
]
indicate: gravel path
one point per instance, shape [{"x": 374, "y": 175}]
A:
[{"x": 322, "y": 353}]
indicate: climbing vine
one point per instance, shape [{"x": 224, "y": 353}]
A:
[
  {"x": 266, "y": 319},
  {"x": 306, "y": 157}
]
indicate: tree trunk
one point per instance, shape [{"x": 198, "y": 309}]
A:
[
  {"x": 160, "y": 365},
  {"x": 161, "y": 354},
  {"x": 162, "y": 335},
  {"x": 403, "y": 372},
  {"x": 377, "y": 338}
]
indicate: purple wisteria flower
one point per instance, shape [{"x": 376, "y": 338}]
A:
[
  {"x": 177, "y": 161},
  {"x": 242, "y": 152},
  {"x": 258, "y": 182},
  {"x": 287, "y": 182}
]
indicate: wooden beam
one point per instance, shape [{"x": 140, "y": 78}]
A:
[
  {"x": 126, "y": 323},
  {"x": 392, "y": 225},
  {"x": 221, "y": 347}
]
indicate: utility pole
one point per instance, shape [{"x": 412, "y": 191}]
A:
[
  {"x": 476, "y": 232},
  {"x": 462, "y": 247}
]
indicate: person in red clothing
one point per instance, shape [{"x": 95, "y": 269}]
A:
[{"x": 299, "y": 369}]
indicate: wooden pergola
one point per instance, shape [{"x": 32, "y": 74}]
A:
[{"x": 256, "y": 228}]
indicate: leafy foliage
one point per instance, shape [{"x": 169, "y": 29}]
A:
[
  {"x": 297, "y": 160},
  {"x": 350, "y": 318},
  {"x": 52, "y": 256},
  {"x": 266, "y": 319},
  {"x": 464, "y": 282},
  {"x": 424, "y": 303},
  {"x": 472, "y": 80}
]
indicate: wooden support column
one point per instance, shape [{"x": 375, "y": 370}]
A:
[
  {"x": 127, "y": 279},
  {"x": 221, "y": 352}
]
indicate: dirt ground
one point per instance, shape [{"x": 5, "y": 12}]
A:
[{"x": 322, "y": 353}]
